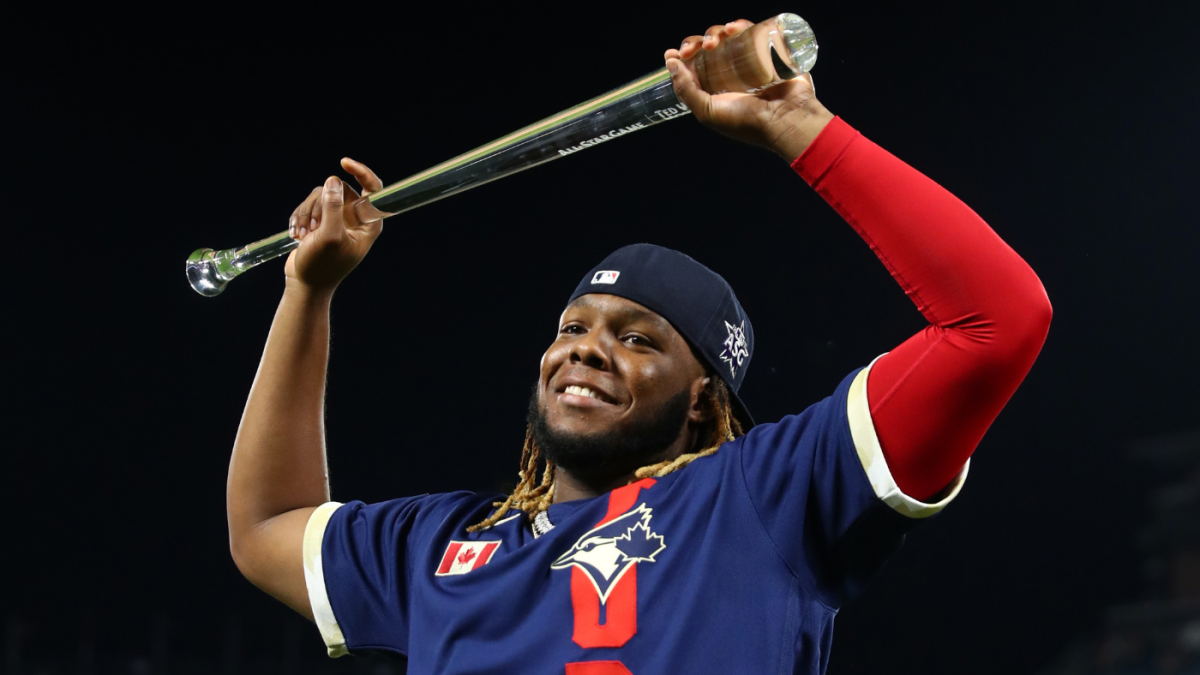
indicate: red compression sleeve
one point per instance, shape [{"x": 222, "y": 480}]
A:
[{"x": 933, "y": 397}]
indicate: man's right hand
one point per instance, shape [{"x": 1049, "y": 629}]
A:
[{"x": 332, "y": 240}]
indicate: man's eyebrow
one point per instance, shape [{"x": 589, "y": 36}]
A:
[{"x": 628, "y": 313}]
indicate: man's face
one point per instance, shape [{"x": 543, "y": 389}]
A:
[{"x": 618, "y": 374}]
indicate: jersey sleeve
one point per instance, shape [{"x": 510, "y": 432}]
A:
[
  {"x": 822, "y": 490},
  {"x": 357, "y": 572}
]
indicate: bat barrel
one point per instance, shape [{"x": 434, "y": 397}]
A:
[{"x": 637, "y": 105}]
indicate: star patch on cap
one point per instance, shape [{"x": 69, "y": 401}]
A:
[{"x": 735, "y": 351}]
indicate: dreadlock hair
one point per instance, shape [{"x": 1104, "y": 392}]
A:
[{"x": 533, "y": 497}]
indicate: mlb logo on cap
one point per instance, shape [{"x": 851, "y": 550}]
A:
[
  {"x": 463, "y": 556},
  {"x": 605, "y": 277}
]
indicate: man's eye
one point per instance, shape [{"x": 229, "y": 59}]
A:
[
  {"x": 637, "y": 340},
  {"x": 571, "y": 330}
]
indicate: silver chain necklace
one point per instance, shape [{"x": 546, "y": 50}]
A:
[{"x": 541, "y": 524}]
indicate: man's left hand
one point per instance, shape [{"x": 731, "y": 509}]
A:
[{"x": 784, "y": 118}]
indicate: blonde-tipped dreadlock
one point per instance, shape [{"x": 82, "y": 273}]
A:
[{"x": 534, "y": 498}]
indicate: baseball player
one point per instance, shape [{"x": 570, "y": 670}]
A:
[{"x": 655, "y": 528}]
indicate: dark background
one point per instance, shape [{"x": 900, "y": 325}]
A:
[{"x": 132, "y": 139}]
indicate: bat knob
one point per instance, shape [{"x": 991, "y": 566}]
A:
[
  {"x": 203, "y": 273},
  {"x": 209, "y": 271}
]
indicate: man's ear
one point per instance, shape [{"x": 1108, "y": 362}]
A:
[{"x": 699, "y": 412}]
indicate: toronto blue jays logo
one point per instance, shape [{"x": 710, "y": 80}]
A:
[
  {"x": 607, "y": 552},
  {"x": 736, "y": 350}
]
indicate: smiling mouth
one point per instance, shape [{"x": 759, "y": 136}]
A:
[{"x": 585, "y": 392}]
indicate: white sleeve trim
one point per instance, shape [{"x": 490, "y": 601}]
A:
[
  {"x": 314, "y": 578},
  {"x": 866, "y": 443}
]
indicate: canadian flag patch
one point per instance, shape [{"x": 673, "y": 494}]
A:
[{"x": 463, "y": 556}]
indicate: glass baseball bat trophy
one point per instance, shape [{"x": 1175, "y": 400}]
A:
[{"x": 768, "y": 53}]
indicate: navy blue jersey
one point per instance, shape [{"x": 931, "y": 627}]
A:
[{"x": 736, "y": 563}]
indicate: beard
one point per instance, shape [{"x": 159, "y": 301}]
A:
[{"x": 602, "y": 457}]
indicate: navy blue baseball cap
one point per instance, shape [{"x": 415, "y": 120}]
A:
[{"x": 697, "y": 301}]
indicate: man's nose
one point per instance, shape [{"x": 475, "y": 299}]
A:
[{"x": 591, "y": 350}]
